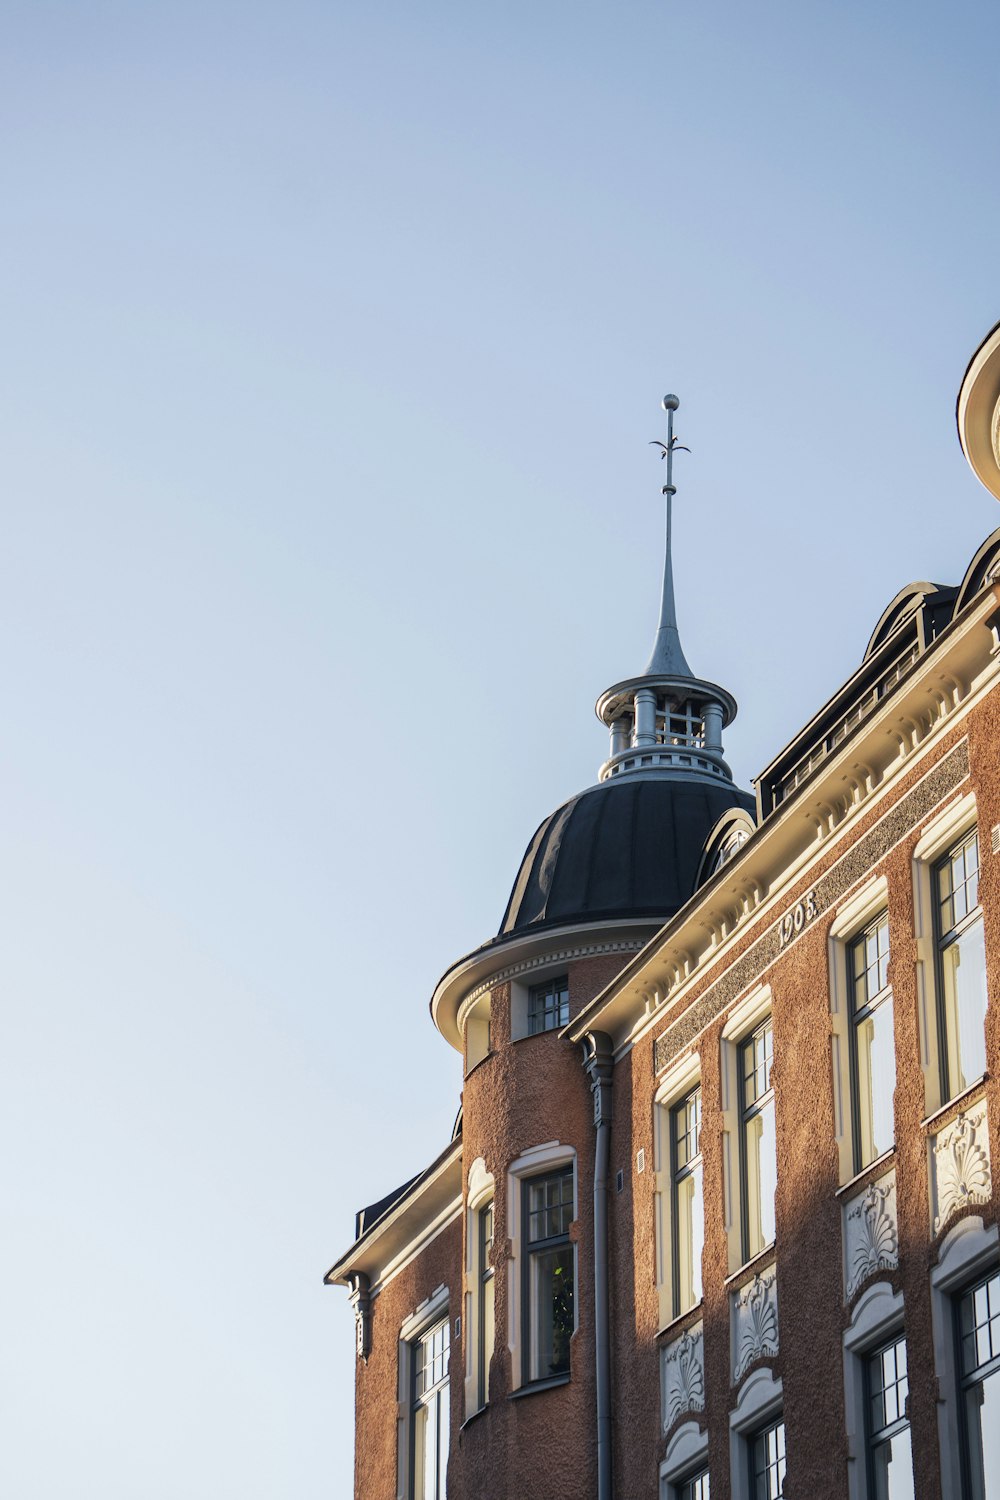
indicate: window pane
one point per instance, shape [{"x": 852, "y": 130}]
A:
[
  {"x": 761, "y": 1178},
  {"x": 690, "y": 1231},
  {"x": 551, "y": 1307},
  {"x": 695, "y": 1488},
  {"x": 892, "y": 1468},
  {"x": 876, "y": 1080},
  {"x": 687, "y": 1129},
  {"x": 963, "y": 973},
  {"x": 550, "y": 1206},
  {"x": 444, "y": 1426},
  {"x": 982, "y": 1412},
  {"x": 758, "y": 1054},
  {"x": 870, "y": 963},
  {"x": 548, "y": 1005},
  {"x": 768, "y": 1463},
  {"x": 489, "y": 1338}
]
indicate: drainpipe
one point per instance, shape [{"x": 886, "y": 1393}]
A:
[{"x": 598, "y": 1059}]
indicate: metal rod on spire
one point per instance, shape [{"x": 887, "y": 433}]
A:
[{"x": 668, "y": 657}]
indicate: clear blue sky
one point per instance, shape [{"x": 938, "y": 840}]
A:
[{"x": 333, "y": 336}]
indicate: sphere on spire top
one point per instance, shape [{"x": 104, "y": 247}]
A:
[{"x": 670, "y": 403}]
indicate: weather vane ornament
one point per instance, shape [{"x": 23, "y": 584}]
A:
[
  {"x": 668, "y": 657},
  {"x": 671, "y": 446}
]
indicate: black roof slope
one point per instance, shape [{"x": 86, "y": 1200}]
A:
[{"x": 628, "y": 848}]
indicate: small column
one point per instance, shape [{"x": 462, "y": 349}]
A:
[
  {"x": 712, "y": 716},
  {"x": 644, "y": 737},
  {"x": 620, "y": 735}
]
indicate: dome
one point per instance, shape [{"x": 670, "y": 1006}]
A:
[{"x": 624, "y": 848}]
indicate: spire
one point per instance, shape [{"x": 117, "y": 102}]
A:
[
  {"x": 667, "y": 721},
  {"x": 667, "y": 658}
]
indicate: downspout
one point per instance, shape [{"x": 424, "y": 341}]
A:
[{"x": 598, "y": 1059}]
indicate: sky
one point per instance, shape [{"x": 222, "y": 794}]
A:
[{"x": 332, "y": 341}]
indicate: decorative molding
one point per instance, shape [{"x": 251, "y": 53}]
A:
[
  {"x": 871, "y": 1233},
  {"x": 361, "y": 1301},
  {"x": 960, "y": 1165},
  {"x": 856, "y": 863},
  {"x": 755, "y": 1321},
  {"x": 682, "y": 1372},
  {"x": 547, "y": 960}
]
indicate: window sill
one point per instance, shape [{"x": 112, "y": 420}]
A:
[
  {"x": 874, "y": 1169},
  {"x": 535, "y": 1386},
  {"x": 475, "y": 1416},
  {"x": 760, "y": 1262},
  {"x": 954, "y": 1105},
  {"x": 683, "y": 1320}
]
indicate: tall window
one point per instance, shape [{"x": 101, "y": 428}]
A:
[
  {"x": 890, "y": 1466},
  {"x": 758, "y": 1146},
  {"x": 548, "y": 1005},
  {"x": 485, "y": 1300},
  {"x": 687, "y": 1203},
  {"x": 979, "y": 1329},
  {"x": 961, "y": 966},
  {"x": 873, "y": 1055},
  {"x": 694, "y": 1488},
  {"x": 431, "y": 1413},
  {"x": 549, "y": 1304},
  {"x": 767, "y": 1462}
]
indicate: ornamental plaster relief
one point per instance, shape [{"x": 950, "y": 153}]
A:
[
  {"x": 871, "y": 1233},
  {"x": 755, "y": 1321},
  {"x": 961, "y": 1175},
  {"x": 682, "y": 1375}
]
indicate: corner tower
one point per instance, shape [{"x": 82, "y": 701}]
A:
[{"x": 616, "y": 861}]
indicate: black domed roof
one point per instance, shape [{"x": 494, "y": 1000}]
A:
[{"x": 624, "y": 848}]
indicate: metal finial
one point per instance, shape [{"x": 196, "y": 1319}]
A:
[{"x": 668, "y": 658}]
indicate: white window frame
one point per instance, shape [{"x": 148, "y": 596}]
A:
[
  {"x": 743, "y": 1019},
  {"x": 877, "y": 1318},
  {"x": 480, "y": 1192},
  {"x": 760, "y": 1400},
  {"x": 436, "y": 1307},
  {"x": 967, "y": 1252},
  {"x": 683, "y": 1077},
  {"x": 945, "y": 830},
  {"x": 852, "y": 917},
  {"x": 535, "y": 1162},
  {"x": 687, "y": 1452}
]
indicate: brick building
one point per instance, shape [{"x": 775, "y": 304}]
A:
[{"x": 718, "y": 1215}]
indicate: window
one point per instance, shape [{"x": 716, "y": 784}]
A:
[
  {"x": 961, "y": 967},
  {"x": 767, "y": 1462},
  {"x": 758, "y": 1147},
  {"x": 548, "y": 1005},
  {"x": 484, "y": 1297},
  {"x": 979, "y": 1338},
  {"x": 887, "y": 1431},
  {"x": 873, "y": 1056},
  {"x": 687, "y": 1211},
  {"x": 694, "y": 1488},
  {"x": 548, "y": 1288},
  {"x": 430, "y": 1413}
]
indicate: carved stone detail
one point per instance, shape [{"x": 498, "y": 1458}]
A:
[
  {"x": 683, "y": 1375},
  {"x": 960, "y": 1165},
  {"x": 755, "y": 1321},
  {"x": 871, "y": 1235}
]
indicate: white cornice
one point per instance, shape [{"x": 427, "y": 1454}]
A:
[{"x": 747, "y": 894}]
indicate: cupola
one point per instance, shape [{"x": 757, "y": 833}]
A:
[{"x": 666, "y": 721}]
